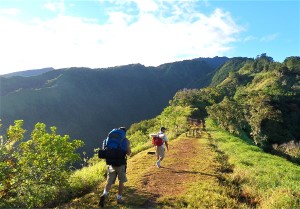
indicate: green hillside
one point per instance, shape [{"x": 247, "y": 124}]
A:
[
  {"x": 214, "y": 170},
  {"x": 256, "y": 97},
  {"x": 246, "y": 156},
  {"x": 86, "y": 103}
]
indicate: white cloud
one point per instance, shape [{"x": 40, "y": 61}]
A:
[
  {"x": 146, "y": 5},
  {"x": 10, "y": 11},
  {"x": 249, "y": 38},
  {"x": 152, "y": 37},
  {"x": 269, "y": 38},
  {"x": 58, "y": 6}
]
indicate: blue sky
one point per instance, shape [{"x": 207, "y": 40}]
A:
[{"x": 104, "y": 33}]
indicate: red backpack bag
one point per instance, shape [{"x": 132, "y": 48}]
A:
[{"x": 157, "y": 141}]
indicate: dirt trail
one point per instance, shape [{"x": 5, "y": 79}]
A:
[{"x": 189, "y": 160}]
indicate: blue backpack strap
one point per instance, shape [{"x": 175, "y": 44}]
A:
[
  {"x": 124, "y": 145},
  {"x": 104, "y": 143}
]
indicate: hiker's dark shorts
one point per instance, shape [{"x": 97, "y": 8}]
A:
[{"x": 114, "y": 171}]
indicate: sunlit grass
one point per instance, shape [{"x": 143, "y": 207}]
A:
[
  {"x": 87, "y": 178},
  {"x": 205, "y": 190},
  {"x": 270, "y": 180},
  {"x": 232, "y": 173}
]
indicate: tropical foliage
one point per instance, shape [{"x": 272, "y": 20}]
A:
[
  {"x": 258, "y": 97},
  {"x": 172, "y": 117},
  {"x": 36, "y": 172},
  {"x": 257, "y": 100}
]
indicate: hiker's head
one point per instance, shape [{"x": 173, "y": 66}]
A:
[
  {"x": 123, "y": 128},
  {"x": 163, "y": 129}
]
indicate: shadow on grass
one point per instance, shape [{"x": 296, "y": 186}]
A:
[
  {"x": 133, "y": 198},
  {"x": 188, "y": 172}
]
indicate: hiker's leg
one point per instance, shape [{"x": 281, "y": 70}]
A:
[
  {"x": 111, "y": 178},
  {"x": 106, "y": 189},
  {"x": 162, "y": 156},
  {"x": 157, "y": 152},
  {"x": 161, "y": 153},
  {"x": 120, "y": 189},
  {"x": 121, "y": 170},
  {"x": 104, "y": 195}
]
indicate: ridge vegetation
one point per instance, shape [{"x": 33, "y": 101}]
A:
[
  {"x": 86, "y": 103},
  {"x": 220, "y": 171},
  {"x": 251, "y": 107}
]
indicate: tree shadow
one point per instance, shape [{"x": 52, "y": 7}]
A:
[
  {"x": 133, "y": 198},
  {"x": 188, "y": 172}
]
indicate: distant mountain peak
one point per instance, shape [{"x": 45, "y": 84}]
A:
[{"x": 28, "y": 73}]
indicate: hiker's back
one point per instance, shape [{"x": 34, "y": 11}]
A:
[
  {"x": 116, "y": 147},
  {"x": 157, "y": 139}
]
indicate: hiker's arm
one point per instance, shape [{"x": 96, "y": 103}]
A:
[
  {"x": 128, "y": 148},
  {"x": 167, "y": 145}
]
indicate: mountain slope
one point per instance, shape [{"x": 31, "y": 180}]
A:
[
  {"x": 233, "y": 65},
  {"x": 86, "y": 103},
  {"x": 258, "y": 97},
  {"x": 28, "y": 73}
]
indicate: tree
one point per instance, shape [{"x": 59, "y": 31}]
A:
[
  {"x": 228, "y": 114},
  {"x": 259, "y": 109},
  {"x": 198, "y": 99},
  {"x": 175, "y": 118},
  {"x": 8, "y": 158},
  {"x": 293, "y": 63},
  {"x": 35, "y": 172}
]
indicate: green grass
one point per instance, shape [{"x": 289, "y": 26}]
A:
[
  {"x": 87, "y": 178},
  {"x": 211, "y": 191},
  {"x": 228, "y": 173},
  {"x": 206, "y": 189},
  {"x": 269, "y": 181}
]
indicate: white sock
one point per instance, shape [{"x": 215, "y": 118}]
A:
[{"x": 119, "y": 197}]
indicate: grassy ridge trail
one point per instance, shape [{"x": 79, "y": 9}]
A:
[
  {"x": 188, "y": 178},
  {"x": 188, "y": 160}
]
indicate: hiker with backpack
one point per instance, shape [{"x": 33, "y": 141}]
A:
[
  {"x": 159, "y": 140},
  {"x": 116, "y": 147}
]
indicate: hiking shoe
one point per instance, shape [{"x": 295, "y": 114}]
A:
[
  {"x": 102, "y": 200},
  {"x": 158, "y": 164},
  {"x": 120, "y": 201}
]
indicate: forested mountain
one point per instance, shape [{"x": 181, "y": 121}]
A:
[
  {"x": 86, "y": 103},
  {"x": 255, "y": 101},
  {"x": 258, "y": 97}
]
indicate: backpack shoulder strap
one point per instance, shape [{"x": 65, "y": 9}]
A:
[{"x": 104, "y": 143}]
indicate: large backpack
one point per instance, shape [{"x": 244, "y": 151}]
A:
[
  {"x": 156, "y": 140},
  {"x": 116, "y": 148}
]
